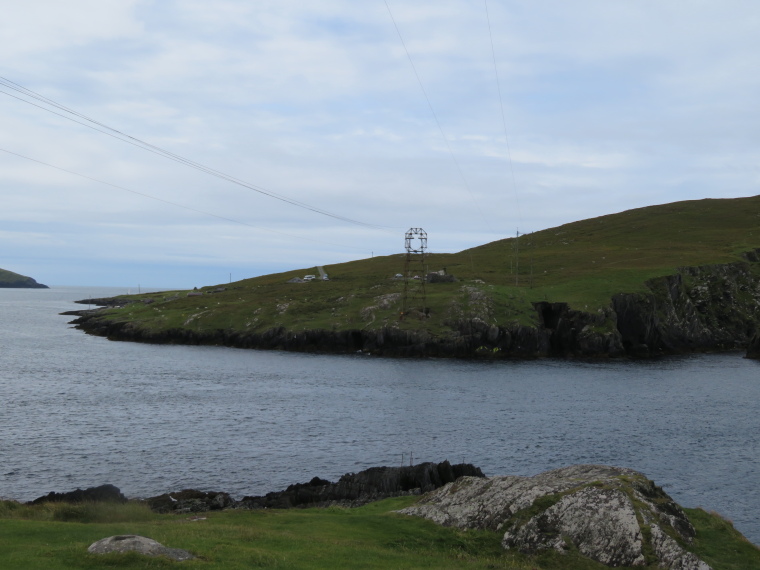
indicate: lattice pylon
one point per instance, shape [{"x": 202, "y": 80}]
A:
[{"x": 415, "y": 243}]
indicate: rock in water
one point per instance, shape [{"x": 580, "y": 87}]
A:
[
  {"x": 375, "y": 483},
  {"x": 101, "y": 494},
  {"x": 612, "y": 515},
  {"x": 190, "y": 501},
  {"x": 139, "y": 544}
]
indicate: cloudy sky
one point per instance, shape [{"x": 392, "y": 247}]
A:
[{"x": 577, "y": 109}]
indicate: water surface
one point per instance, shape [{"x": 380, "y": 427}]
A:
[{"x": 81, "y": 411}]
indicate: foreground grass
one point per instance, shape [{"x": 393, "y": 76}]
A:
[{"x": 57, "y": 536}]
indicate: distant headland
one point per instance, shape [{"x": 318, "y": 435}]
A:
[
  {"x": 668, "y": 279},
  {"x": 10, "y": 280}
]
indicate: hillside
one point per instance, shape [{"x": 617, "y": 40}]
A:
[
  {"x": 10, "y": 280},
  {"x": 622, "y": 283}
]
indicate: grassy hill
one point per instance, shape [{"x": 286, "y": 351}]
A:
[
  {"x": 583, "y": 264},
  {"x": 8, "y": 279}
]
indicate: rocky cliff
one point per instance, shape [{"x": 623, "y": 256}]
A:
[
  {"x": 706, "y": 308},
  {"x": 713, "y": 307}
]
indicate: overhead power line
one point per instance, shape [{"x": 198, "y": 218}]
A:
[
  {"x": 503, "y": 117},
  {"x": 95, "y": 125},
  {"x": 435, "y": 116},
  {"x": 196, "y": 210}
]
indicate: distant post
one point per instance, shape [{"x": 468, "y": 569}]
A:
[{"x": 517, "y": 259}]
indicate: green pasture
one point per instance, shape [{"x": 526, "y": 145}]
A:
[{"x": 53, "y": 536}]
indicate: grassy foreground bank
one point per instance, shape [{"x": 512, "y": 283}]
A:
[{"x": 52, "y": 536}]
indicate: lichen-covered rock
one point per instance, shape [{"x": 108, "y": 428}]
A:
[
  {"x": 671, "y": 555},
  {"x": 613, "y": 515},
  {"x": 600, "y": 522},
  {"x": 139, "y": 544}
]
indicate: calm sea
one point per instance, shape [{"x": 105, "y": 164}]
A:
[{"x": 79, "y": 411}]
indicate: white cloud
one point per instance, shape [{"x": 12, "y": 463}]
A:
[
  {"x": 38, "y": 27},
  {"x": 607, "y": 106}
]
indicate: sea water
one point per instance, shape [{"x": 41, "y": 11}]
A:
[{"x": 80, "y": 411}]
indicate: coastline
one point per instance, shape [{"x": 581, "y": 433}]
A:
[{"x": 528, "y": 511}]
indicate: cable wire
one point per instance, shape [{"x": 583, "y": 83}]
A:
[
  {"x": 134, "y": 141},
  {"x": 503, "y": 117},
  {"x": 435, "y": 116},
  {"x": 190, "y": 208}
]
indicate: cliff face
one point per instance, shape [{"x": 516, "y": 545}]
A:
[
  {"x": 706, "y": 308},
  {"x": 714, "y": 307}
]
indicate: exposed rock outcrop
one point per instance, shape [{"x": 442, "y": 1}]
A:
[
  {"x": 139, "y": 544},
  {"x": 101, "y": 494},
  {"x": 612, "y": 515},
  {"x": 190, "y": 501},
  {"x": 352, "y": 489},
  {"x": 366, "y": 486},
  {"x": 713, "y": 307}
]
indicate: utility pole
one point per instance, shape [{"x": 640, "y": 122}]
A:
[
  {"x": 517, "y": 259},
  {"x": 532, "y": 245}
]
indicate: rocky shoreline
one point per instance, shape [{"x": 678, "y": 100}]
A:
[
  {"x": 351, "y": 490},
  {"x": 615, "y": 516},
  {"x": 698, "y": 309}
]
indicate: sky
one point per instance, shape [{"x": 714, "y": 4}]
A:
[{"x": 470, "y": 119}]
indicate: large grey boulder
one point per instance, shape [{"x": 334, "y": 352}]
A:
[
  {"x": 613, "y": 515},
  {"x": 139, "y": 544}
]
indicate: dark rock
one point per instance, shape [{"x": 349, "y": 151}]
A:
[
  {"x": 105, "y": 301},
  {"x": 366, "y": 486},
  {"x": 753, "y": 350},
  {"x": 753, "y": 255},
  {"x": 190, "y": 501},
  {"x": 707, "y": 308},
  {"x": 101, "y": 494},
  {"x": 438, "y": 278}
]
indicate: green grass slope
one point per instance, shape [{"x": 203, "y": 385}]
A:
[
  {"x": 52, "y": 536},
  {"x": 583, "y": 264},
  {"x": 8, "y": 279}
]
